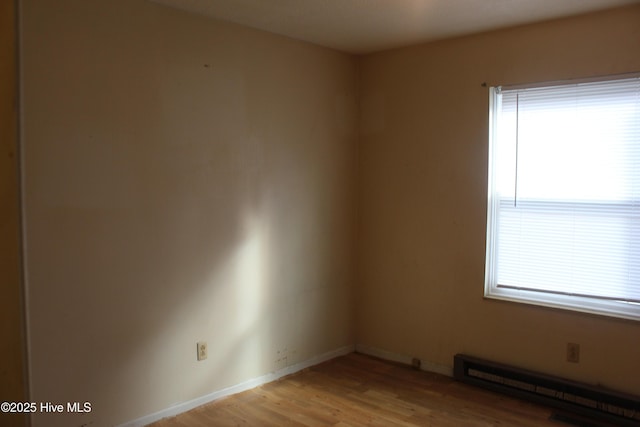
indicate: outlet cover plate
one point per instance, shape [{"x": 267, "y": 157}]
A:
[{"x": 202, "y": 350}]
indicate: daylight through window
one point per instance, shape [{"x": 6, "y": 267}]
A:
[{"x": 564, "y": 196}]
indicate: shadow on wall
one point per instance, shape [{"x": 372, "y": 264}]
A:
[
  {"x": 185, "y": 181},
  {"x": 121, "y": 296},
  {"x": 166, "y": 204}
]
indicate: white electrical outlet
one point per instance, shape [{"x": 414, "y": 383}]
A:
[{"x": 202, "y": 350}]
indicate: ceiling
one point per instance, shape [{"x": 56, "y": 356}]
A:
[{"x": 364, "y": 26}]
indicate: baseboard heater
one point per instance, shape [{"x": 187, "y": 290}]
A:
[{"x": 582, "y": 399}]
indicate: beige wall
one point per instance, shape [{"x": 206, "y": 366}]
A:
[
  {"x": 12, "y": 380},
  {"x": 186, "y": 180},
  {"x": 423, "y": 175}
]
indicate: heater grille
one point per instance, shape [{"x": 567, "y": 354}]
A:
[{"x": 583, "y": 399}]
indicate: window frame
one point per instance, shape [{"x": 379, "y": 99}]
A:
[{"x": 492, "y": 290}]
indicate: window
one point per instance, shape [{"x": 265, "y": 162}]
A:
[{"x": 563, "y": 223}]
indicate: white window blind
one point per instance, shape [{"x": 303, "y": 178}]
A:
[{"x": 564, "y": 196}]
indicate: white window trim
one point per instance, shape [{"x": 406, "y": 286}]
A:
[{"x": 612, "y": 308}]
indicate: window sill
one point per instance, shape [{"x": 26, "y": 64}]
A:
[{"x": 610, "y": 308}]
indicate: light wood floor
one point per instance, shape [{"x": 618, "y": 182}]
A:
[{"x": 358, "y": 390}]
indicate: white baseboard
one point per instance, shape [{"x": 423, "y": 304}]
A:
[
  {"x": 400, "y": 358},
  {"x": 247, "y": 385}
]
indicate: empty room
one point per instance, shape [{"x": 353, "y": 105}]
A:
[{"x": 335, "y": 212}]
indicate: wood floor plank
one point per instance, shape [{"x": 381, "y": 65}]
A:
[{"x": 358, "y": 390}]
